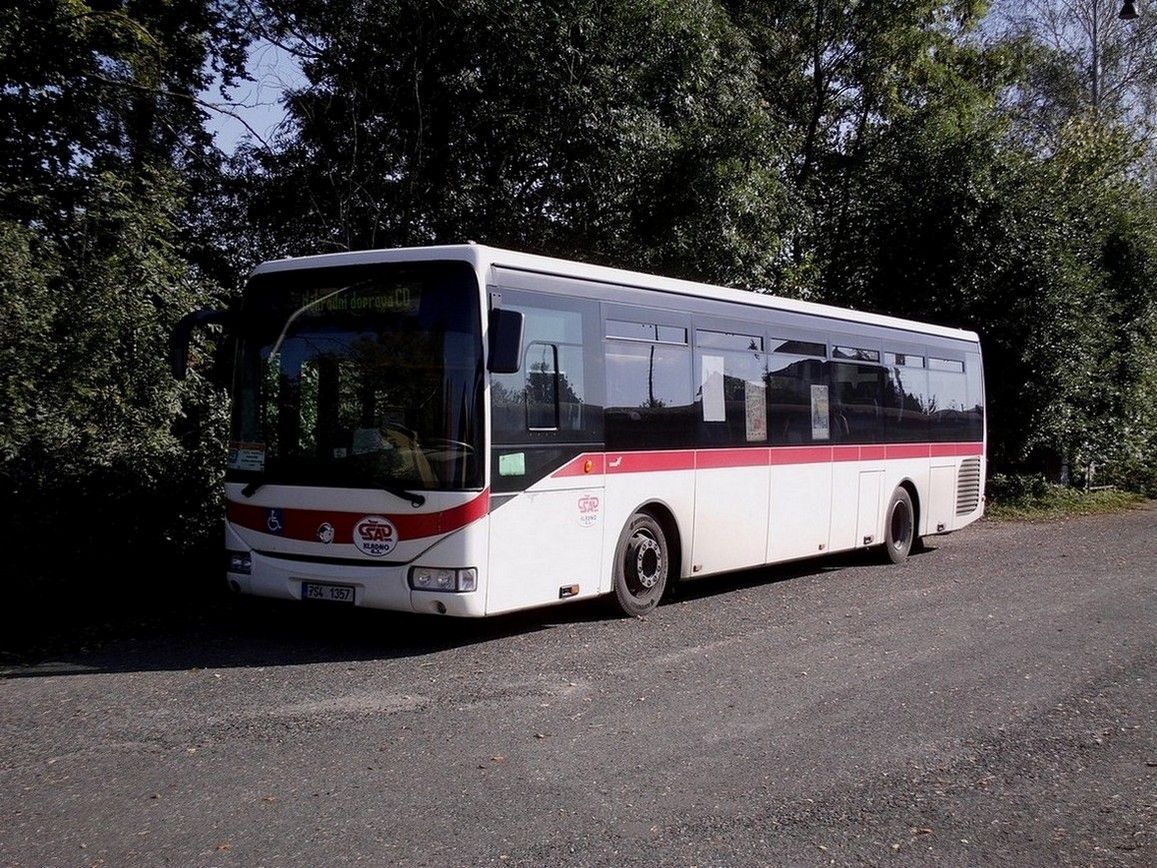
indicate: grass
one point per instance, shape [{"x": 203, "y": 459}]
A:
[{"x": 1057, "y": 501}]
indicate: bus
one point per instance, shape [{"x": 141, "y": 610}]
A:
[{"x": 468, "y": 431}]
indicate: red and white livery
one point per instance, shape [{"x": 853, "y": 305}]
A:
[{"x": 468, "y": 431}]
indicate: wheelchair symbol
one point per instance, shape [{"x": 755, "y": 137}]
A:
[{"x": 274, "y": 521}]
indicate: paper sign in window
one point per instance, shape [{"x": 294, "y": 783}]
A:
[
  {"x": 821, "y": 429},
  {"x": 246, "y": 456},
  {"x": 512, "y": 464},
  {"x": 714, "y": 409},
  {"x": 755, "y": 403}
]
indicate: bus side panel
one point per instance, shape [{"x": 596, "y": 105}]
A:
[
  {"x": 941, "y": 496},
  {"x": 857, "y": 489},
  {"x": 801, "y": 504},
  {"x": 868, "y": 523},
  {"x": 546, "y": 544},
  {"x": 731, "y": 507},
  {"x": 948, "y": 496}
]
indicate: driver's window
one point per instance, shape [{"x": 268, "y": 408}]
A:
[{"x": 547, "y": 395}]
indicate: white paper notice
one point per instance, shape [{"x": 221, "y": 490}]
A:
[
  {"x": 755, "y": 398},
  {"x": 821, "y": 429},
  {"x": 713, "y": 407}
]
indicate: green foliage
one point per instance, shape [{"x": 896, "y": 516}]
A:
[
  {"x": 1021, "y": 497},
  {"x": 630, "y": 133},
  {"x": 1009, "y": 488},
  {"x": 99, "y": 444},
  {"x": 103, "y": 164},
  {"x": 1077, "y": 280}
]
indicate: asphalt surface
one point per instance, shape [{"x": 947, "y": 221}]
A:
[{"x": 990, "y": 702}]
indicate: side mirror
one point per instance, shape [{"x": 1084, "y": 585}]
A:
[
  {"x": 505, "y": 341},
  {"x": 183, "y": 333}
]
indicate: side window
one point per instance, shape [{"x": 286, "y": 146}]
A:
[
  {"x": 947, "y": 401},
  {"x": 857, "y": 403},
  {"x": 548, "y": 399},
  {"x": 797, "y": 395},
  {"x": 732, "y": 388},
  {"x": 974, "y": 375},
  {"x": 905, "y": 398},
  {"x": 649, "y": 395},
  {"x": 542, "y": 387}
]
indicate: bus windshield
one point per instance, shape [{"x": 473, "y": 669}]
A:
[{"x": 368, "y": 376}]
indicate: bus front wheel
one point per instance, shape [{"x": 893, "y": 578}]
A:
[
  {"x": 899, "y": 526},
  {"x": 642, "y": 562}
]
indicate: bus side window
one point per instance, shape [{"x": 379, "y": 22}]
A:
[
  {"x": 542, "y": 387},
  {"x": 789, "y": 381},
  {"x": 905, "y": 398},
  {"x": 857, "y": 411},
  {"x": 649, "y": 396},
  {"x": 731, "y": 378},
  {"x": 974, "y": 374},
  {"x": 948, "y": 400},
  {"x": 549, "y": 394}
]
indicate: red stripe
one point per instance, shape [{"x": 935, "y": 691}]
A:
[
  {"x": 577, "y": 466},
  {"x": 709, "y": 458},
  {"x": 303, "y": 523},
  {"x": 908, "y": 450},
  {"x": 641, "y": 462},
  {"x": 755, "y": 456},
  {"x": 801, "y": 455}
]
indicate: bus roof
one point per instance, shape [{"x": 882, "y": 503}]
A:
[{"x": 484, "y": 257}]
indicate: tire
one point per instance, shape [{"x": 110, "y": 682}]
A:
[
  {"x": 642, "y": 566},
  {"x": 899, "y": 527}
]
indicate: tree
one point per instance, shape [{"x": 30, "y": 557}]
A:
[
  {"x": 628, "y": 133},
  {"x": 841, "y": 74},
  {"x": 103, "y": 159},
  {"x": 1081, "y": 58}
]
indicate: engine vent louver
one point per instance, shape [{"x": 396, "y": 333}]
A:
[{"x": 968, "y": 486}]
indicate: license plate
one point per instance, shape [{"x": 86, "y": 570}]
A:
[{"x": 328, "y": 593}]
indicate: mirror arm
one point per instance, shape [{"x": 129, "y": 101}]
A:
[{"x": 183, "y": 333}]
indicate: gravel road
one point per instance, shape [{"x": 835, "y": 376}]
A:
[{"x": 990, "y": 702}]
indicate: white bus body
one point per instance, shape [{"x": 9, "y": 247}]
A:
[{"x": 727, "y": 429}]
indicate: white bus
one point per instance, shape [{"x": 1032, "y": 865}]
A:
[{"x": 467, "y": 431}]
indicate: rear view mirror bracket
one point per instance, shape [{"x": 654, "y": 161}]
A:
[{"x": 183, "y": 333}]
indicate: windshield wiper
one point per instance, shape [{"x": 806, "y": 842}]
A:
[
  {"x": 415, "y": 499},
  {"x": 251, "y": 488}
]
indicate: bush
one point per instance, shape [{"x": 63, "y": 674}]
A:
[
  {"x": 1016, "y": 487},
  {"x": 1029, "y": 496}
]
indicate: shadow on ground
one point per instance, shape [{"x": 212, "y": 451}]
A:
[{"x": 211, "y": 629}]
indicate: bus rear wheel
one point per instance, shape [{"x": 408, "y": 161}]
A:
[
  {"x": 899, "y": 526},
  {"x": 642, "y": 564}
]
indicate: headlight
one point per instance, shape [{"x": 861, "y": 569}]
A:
[
  {"x": 238, "y": 562},
  {"x": 439, "y": 579}
]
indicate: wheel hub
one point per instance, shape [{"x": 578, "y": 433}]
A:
[{"x": 648, "y": 561}]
